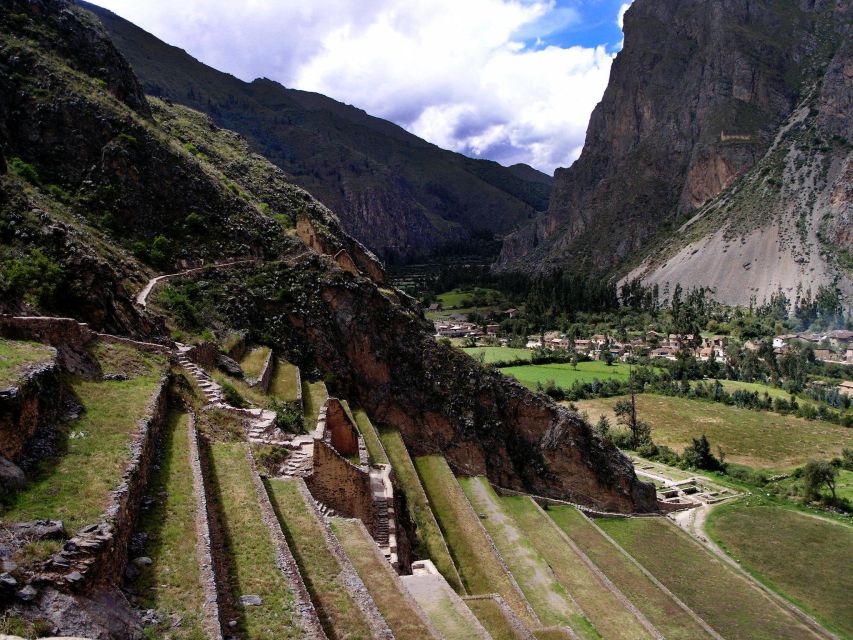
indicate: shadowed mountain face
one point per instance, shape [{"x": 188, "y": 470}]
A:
[
  {"x": 398, "y": 194},
  {"x": 704, "y": 98}
]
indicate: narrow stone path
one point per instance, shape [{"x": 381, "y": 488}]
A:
[{"x": 142, "y": 296}]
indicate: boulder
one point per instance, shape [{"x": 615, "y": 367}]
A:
[
  {"x": 229, "y": 365},
  {"x": 11, "y": 477}
]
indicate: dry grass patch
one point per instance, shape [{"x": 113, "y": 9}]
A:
[
  {"x": 754, "y": 438},
  {"x": 314, "y": 396},
  {"x": 430, "y": 541},
  {"x": 250, "y": 551},
  {"x": 253, "y": 362},
  {"x": 807, "y": 559},
  {"x": 381, "y": 581},
  {"x": 284, "y": 379},
  {"x": 661, "y": 610},
  {"x": 371, "y": 438},
  {"x": 725, "y": 600},
  {"x": 171, "y": 585},
  {"x": 492, "y": 617},
  {"x": 339, "y": 613},
  {"x": 479, "y": 567}
]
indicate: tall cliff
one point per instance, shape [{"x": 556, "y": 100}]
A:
[
  {"x": 396, "y": 193},
  {"x": 103, "y": 188},
  {"x": 697, "y": 98}
]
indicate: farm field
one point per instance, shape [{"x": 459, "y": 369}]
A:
[
  {"x": 758, "y": 439},
  {"x": 602, "y": 607},
  {"x": 379, "y": 578},
  {"x": 564, "y": 374},
  {"x": 805, "y": 558},
  {"x": 661, "y": 610},
  {"x": 464, "y": 298},
  {"x": 498, "y": 354},
  {"x": 252, "y": 558},
  {"x": 479, "y": 567},
  {"x": 320, "y": 569},
  {"x": 172, "y": 584},
  {"x": 543, "y": 590},
  {"x": 430, "y": 541},
  {"x": 732, "y": 606}
]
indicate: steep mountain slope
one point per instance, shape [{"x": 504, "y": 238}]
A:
[
  {"x": 698, "y": 96},
  {"x": 101, "y": 189},
  {"x": 393, "y": 191}
]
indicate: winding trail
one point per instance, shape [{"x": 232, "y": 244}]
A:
[{"x": 142, "y": 296}]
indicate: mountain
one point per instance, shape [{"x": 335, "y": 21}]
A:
[
  {"x": 398, "y": 194},
  {"x": 102, "y": 188},
  {"x": 719, "y": 155}
]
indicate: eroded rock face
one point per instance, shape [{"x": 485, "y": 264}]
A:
[
  {"x": 694, "y": 99},
  {"x": 378, "y": 348}
]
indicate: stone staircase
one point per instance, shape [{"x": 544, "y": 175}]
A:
[
  {"x": 300, "y": 462},
  {"x": 212, "y": 391},
  {"x": 385, "y": 524}
]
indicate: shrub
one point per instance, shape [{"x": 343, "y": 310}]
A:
[
  {"x": 25, "y": 170},
  {"x": 288, "y": 416},
  {"x": 161, "y": 251},
  {"x": 36, "y": 278},
  {"x": 232, "y": 396},
  {"x": 194, "y": 222}
]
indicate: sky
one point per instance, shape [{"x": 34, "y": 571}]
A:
[{"x": 508, "y": 80}]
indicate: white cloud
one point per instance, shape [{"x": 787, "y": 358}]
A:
[
  {"x": 459, "y": 74},
  {"x": 620, "y": 17}
]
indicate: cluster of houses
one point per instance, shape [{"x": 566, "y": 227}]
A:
[
  {"x": 456, "y": 326},
  {"x": 653, "y": 344},
  {"x": 832, "y": 346}
]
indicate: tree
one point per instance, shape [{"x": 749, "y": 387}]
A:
[
  {"x": 815, "y": 476},
  {"x": 698, "y": 455},
  {"x": 602, "y": 427},
  {"x": 626, "y": 415}
]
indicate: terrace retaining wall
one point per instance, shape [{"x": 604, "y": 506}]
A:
[
  {"x": 97, "y": 554},
  {"x": 28, "y": 408},
  {"x": 66, "y": 335},
  {"x": 265, "y": 377},
  {"x": 204, "y": 551},
  {"x": 342, "y": 486}
]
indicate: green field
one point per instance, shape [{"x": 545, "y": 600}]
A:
[
  {"x": 383, "y": 584},
  {"x": 660, "y": 609},
  {"x": 758, "y": 439},
  {"x": 602, "y": 607},
  {"x": 339, "y": 612},
  {"x": 565, "y": 375},
  {"x": 480, "y": 569},
  {"x": 253, "y": 362},
  {"x": 250, "y": 552},
  {"x": 492, "y": 617},
  {"x": 371, "y": 438},
  {"x": 761, "y": 389},
  {"x": 805, "y": 558},
  {"x": 430, "y": 541},
  {"x": 283, "y": 383},
  {"x": 172, "y": 584},
  {"x": 75, "y": 486},
  {"x": 314, "y": 396},
  {"x": 534, "y": 574},
  {"x": 464, "y": 298},
  {"x": 498, "y": 354},
  {"x": 15, "y": 355},
  {"x": 736, "y": 609}
]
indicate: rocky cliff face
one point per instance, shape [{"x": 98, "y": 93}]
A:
[
  {"x": 142, "y": 188},
  {"x": 695, "y": 99},
  {"x": 396, "y": 193}
]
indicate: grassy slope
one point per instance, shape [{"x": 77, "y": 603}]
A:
[
  {"x": 657, "y": 606},
  {"x": 172, "y": 583},
  {"x": 371, "y": 438},
  {"x": 454, "y": 299},
  {"x": 805, "y": 558},
  {"x": 314, "y": 395},
  {"x": 564, "y": 375},
  {"x": 532, "y": 571},
  {"x": 251, "y": 552},
  {"x": 602, "y": 607},
  {"x": 489, "y": 614},
  {"x": 726, "y": 601},
  {"x": 498, "y": 354},
  {"x": 283, "y": 383},
  {"x": 754, "y": 438},
  {"x": 374, "y": 572},
  {"x": 253, "y": 361},
  {"x": 479, "y": 567},
  {"x": 338, "y": 611},
  {"x": 17, "y": 354},
  {"x": 75, "y": 486},
  {"x": 430, "y": 542}
]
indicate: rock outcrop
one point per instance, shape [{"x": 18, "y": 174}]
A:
[{"x": 696, "y": 98}]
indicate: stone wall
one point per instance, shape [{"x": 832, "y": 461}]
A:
[
  {"x": 147, "y": 347},
  {"x": 299, "y": 390},
  {"x": 34, "y": 404},
  {"x": 341, "y": 486},
  {"x": 97, "y": 554},
  {"x": 66, "y": 335},
  {"x": 265, "y": 377},
  {"x": 339, "y": 431},
  {"x": 204, "y": 354}
]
